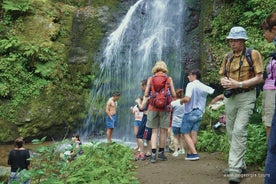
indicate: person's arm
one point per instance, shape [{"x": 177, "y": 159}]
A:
[
  {"x": 186, "y": 99},
  {"x": 147, "y": 90},
  {"x": 172, "y": 89},
  {"x": 28, "y": 158},
  {"x": 216, "y": 99},
  {"x": 142, "y": 105},
  {"x": 188, "y": 94},
  {"x": 10, "y": 159}
]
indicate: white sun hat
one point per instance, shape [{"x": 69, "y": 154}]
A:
[{"x": 237, "y": 33}]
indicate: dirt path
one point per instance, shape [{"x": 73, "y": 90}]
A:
[{"x": 176, "y": 170}]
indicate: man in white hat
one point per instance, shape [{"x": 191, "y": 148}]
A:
[{"x": 239, "y": 79}]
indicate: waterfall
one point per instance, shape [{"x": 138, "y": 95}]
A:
[{"x": 150, "y": 31}]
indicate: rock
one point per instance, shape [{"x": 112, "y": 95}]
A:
[{"x": 4, "y": 173}]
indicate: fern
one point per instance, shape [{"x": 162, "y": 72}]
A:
[{"x": 16, "y": 5}]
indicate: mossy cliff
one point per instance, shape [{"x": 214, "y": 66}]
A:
[{"x": 43, "y": 90}]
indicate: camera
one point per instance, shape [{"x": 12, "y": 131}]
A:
[{"x": 228, "y": 93}]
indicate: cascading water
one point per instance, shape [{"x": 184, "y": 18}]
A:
[{"x": 150, "y": 31}]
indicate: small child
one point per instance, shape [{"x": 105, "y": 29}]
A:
[
  {"x": 77, "y": 151},
  {"x": 177, "y": 116},
  {"x": 138, "y": 116}
]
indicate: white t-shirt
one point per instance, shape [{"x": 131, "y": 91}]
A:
[
  {"x": 137, "y": 113},
  {"x": 178, "y": 113},
  {"x": 198, "y": 92}
]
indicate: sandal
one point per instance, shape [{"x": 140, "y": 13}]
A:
[{"x": 137, "y": 157}]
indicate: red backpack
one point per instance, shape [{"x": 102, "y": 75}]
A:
[{"x": 160, "y": 95}]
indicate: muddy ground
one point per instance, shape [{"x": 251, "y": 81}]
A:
[{"x": 176, "y": 170}]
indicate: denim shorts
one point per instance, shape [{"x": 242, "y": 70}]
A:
[
  {"x": 191, "y": 121},
  {"x": 137, "y": 123},
  {"x": 111, "y": 123},
  {"x": 176, "y": 130}
]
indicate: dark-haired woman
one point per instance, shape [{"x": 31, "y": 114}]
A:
[{"x": 19, "y": 161}]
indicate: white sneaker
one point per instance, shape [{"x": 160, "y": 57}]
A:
[
  {"x": 175, "y": 154},
  {"x": 181, "y": 152}
]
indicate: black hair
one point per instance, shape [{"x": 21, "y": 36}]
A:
[
  {"x": 19, "y": 142},
  {"x": 116, "y": 93},
  {"x": 77, "y": 136},
  {"x": 196, "y": 72},
  {"x": 144, "y": 82}
]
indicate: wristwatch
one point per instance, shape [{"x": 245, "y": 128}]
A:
[{"x": 240, "y": 85}]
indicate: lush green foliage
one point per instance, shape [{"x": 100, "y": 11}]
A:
[
  {"x": 100, "y": 163},
  {"x": 16, "y": 5},
  {"x": 26, "y": 69},
  {"x": 40, "y": 87}
]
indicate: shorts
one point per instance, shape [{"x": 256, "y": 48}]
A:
[
  {"x": 111, "y": 123},
  {"x": 137, "y": 123},
  {"x": 268, "y": 105},
  {"x": 176, "y": 130},
  {"x": 158, "y": 119},
  {"x": 143, "y": 131},
  {"x": 191, "y": 121}
]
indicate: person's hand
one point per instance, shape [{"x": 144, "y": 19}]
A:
[
  {"x": 138, "y": 100},
  {"x": 228, "y": 83},
  {"x": 131, "y": 109}
]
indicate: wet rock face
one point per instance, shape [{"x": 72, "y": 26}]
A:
[{"x": 191, "y": 55}]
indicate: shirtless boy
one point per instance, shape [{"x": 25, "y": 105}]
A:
[{"x": 111, "y": 118}]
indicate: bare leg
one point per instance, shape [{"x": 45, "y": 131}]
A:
[
  {"x": 190, "y": 144},
  {"x": 109, "y": 132},
  {"x": 194, "y": 136},
  {"x": 135, "y": 134},
  {"x": 163, "y": 137},
  {"x": 181, "y": 142},
  {"x": 176, "y": 138},
  {"x": 148, "y": 148},
  {"x": 154, "y": 137},
  {"x": 141, "y": 145}
]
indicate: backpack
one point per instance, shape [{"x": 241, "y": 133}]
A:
[
  {"x": 248, "y": 57},
  {"x": 160, "y": 95}
]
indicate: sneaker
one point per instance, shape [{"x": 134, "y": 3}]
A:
[
  {"x": 192, "y": 157},
  {"x": 175, "y": 154},
  {"x": 217, "y": 125},
  {"x": 181, "y": 152},
  {"x": 153, "y": 158},
  {"x": 161, "y": 156}
]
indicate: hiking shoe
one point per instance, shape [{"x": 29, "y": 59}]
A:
[
  {"x": 227, "y": 171},
  {"x": 181, "y": 152},
  {"x": 161, "y": 156},
  {"x": 153, "y": 158},
  {"x": 175, "y": 154},
  {"x": 192, "y": 157},
  {"x": 234, "y": 177}
]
